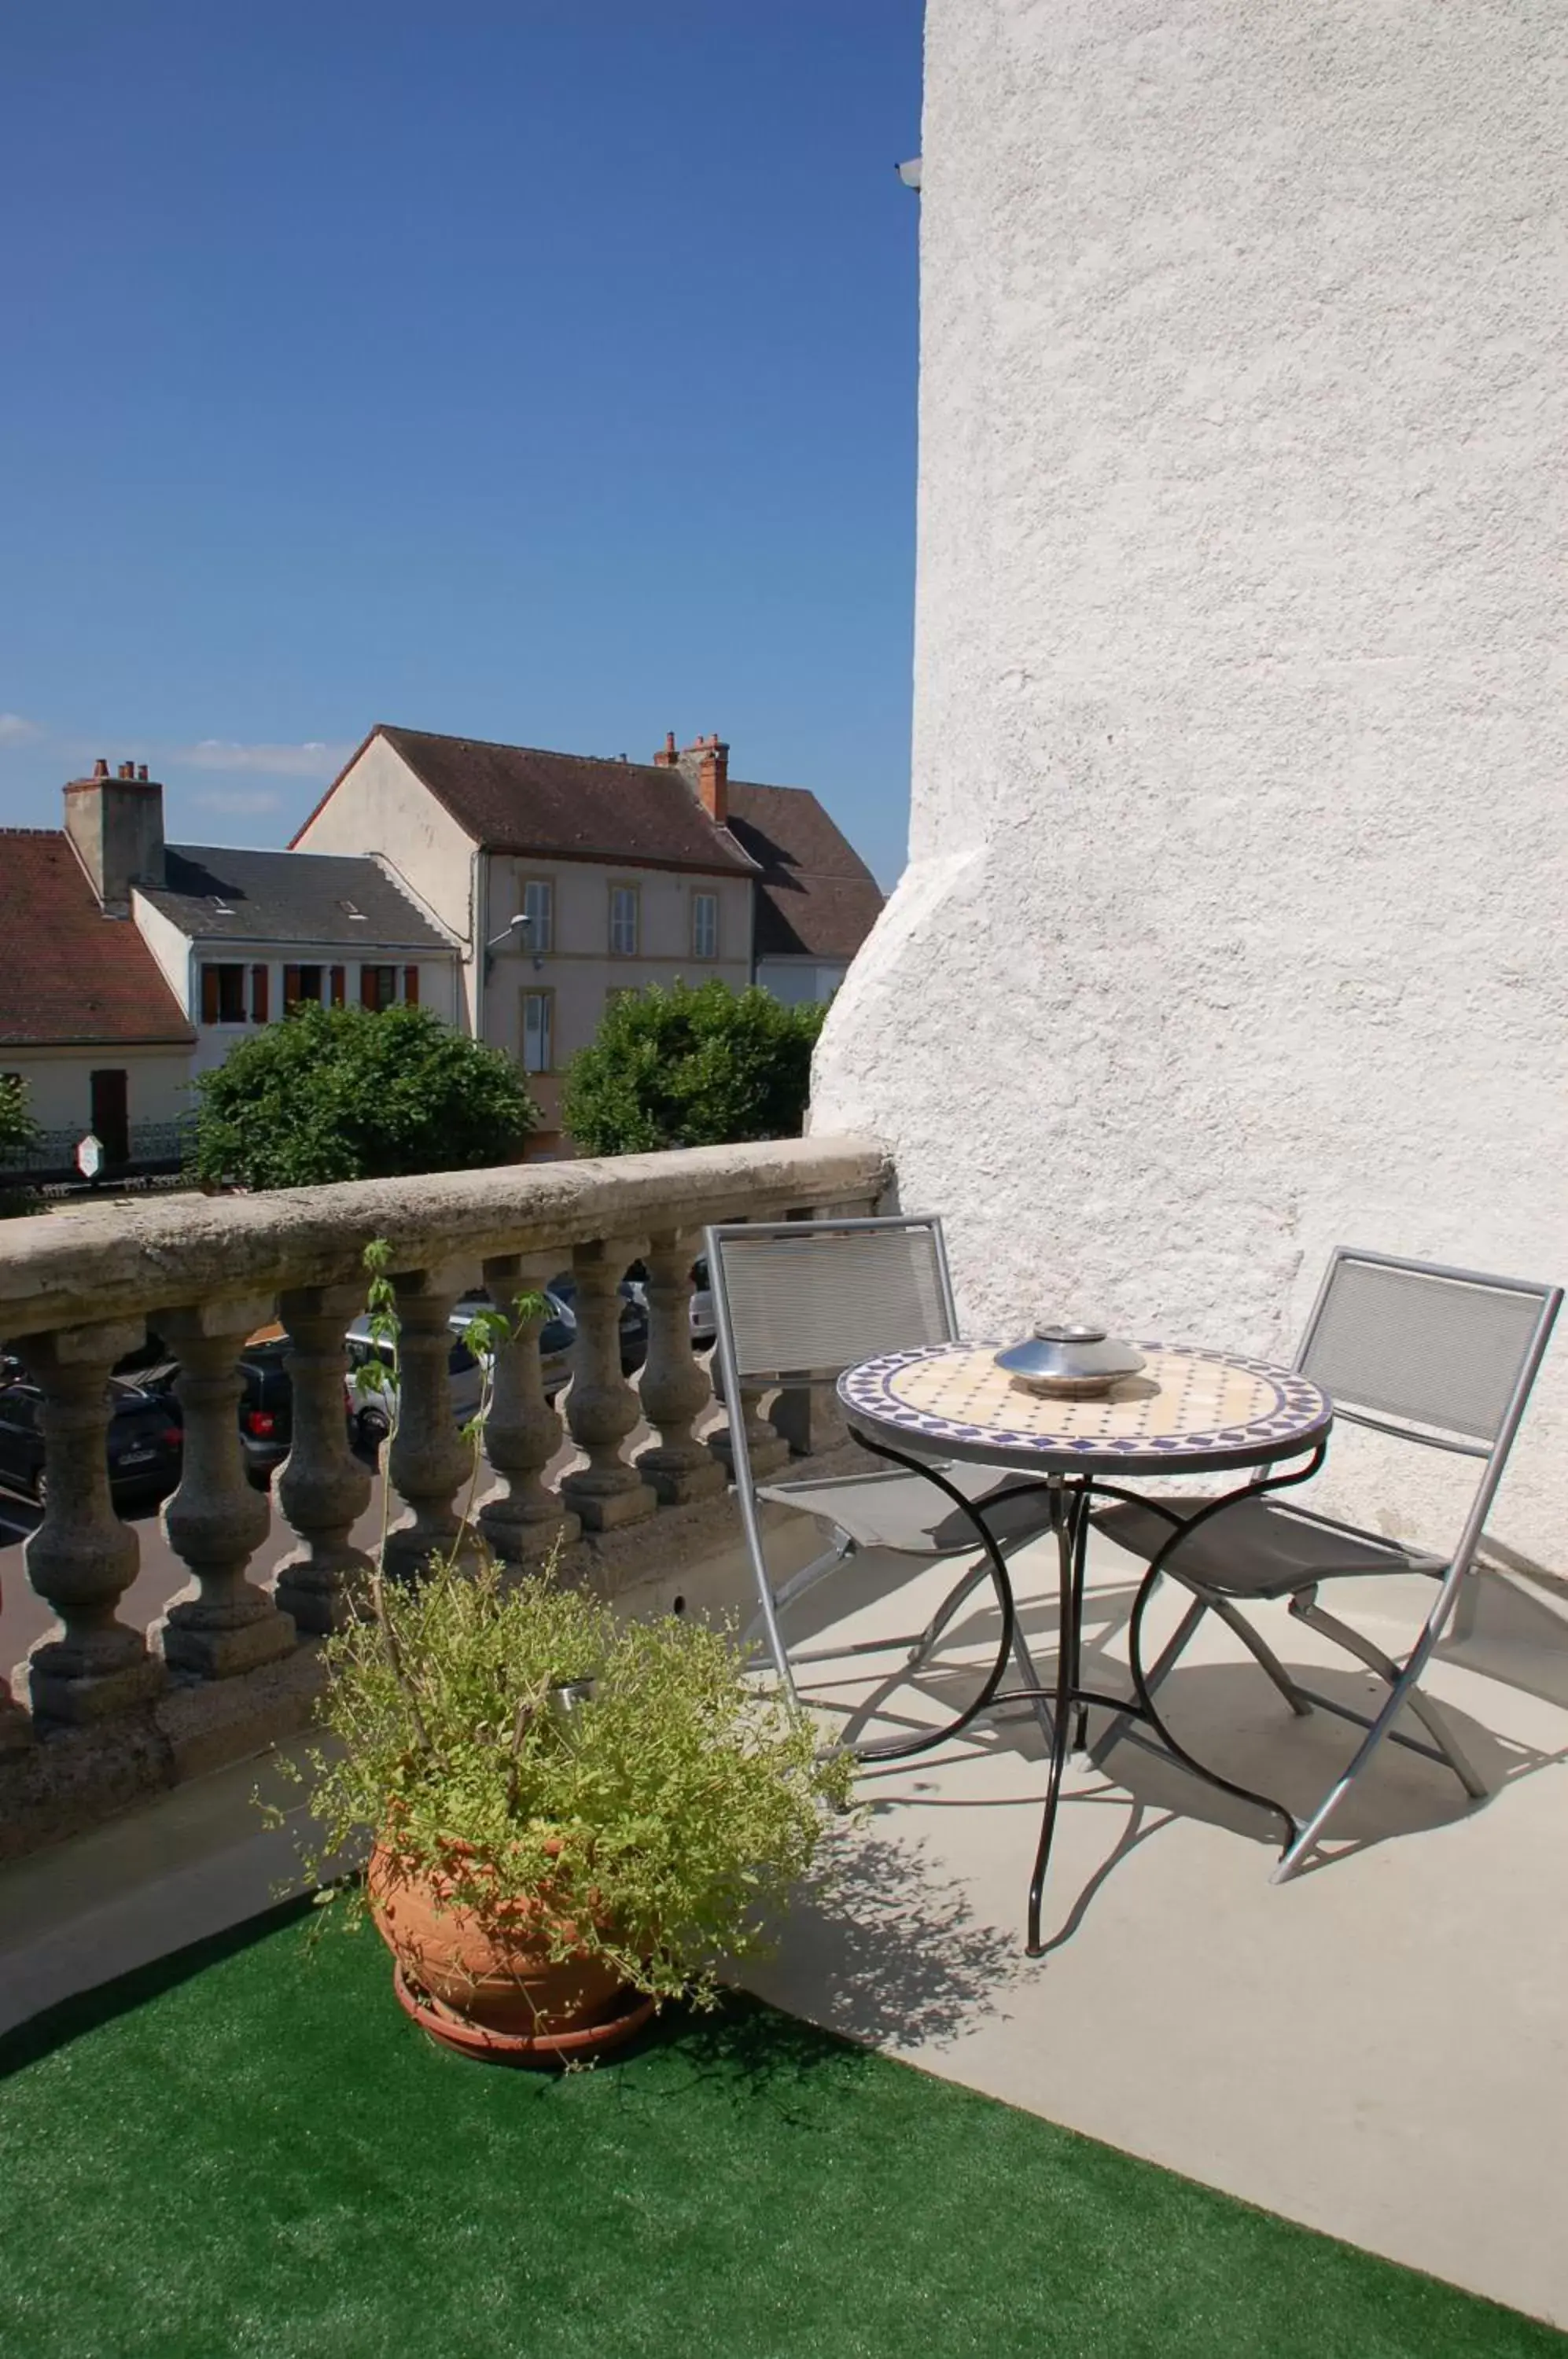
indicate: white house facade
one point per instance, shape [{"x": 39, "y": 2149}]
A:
[{"x": 243, "y": 937}]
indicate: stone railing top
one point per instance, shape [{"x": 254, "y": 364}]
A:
[{"x": 112, "y": 1261}]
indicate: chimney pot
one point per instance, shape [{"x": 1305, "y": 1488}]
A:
[
  {"x": 118, "y": 838},
  {"x": 141, "y": 771},
  {"x": 713, "y": 780}
]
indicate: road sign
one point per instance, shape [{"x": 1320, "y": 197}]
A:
[{"x": 90, "y": 1156}]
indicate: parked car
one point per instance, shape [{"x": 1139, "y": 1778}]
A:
[
  {"x": 371, "y": 1412},
  {"x": 634, "y": 1317},
  {"x": 266, "y": 1397},
  {"x": 556, "y": 1336},
  {"x": 702, "y": 1318},
  {"x": 267, "y": 1405},
  {"x": 145, "y": 1440}
]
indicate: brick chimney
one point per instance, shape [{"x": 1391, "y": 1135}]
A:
[
  {"x": 705, "y": 767},
  {"x": 116, "y": 826}
]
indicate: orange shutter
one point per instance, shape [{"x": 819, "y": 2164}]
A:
[
  {"x": 210, "y": 995},
  {"x": 340, "y": 980},
  {"x": 368, "y": 991},
  {"x": 411, "y": 985},
  {"x": 290, "y": 988},
  {"x": 258, "y": 995}
]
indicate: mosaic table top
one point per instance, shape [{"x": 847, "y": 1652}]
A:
[{"x": 1188, "y": 1411}]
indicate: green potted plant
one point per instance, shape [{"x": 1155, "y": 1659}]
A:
[{"x": 573, "y": 1816}]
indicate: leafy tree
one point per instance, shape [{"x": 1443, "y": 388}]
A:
[
  {"x": 674, "y": 1066},
  {"x": 18, "y": 1129},
  {"x": 18, "y": 1132},
  {"x": 347, "y": 1093}
]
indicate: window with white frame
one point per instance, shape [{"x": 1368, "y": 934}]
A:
[
  {"x": 538, "y": 908},
  {"x": 623, "y": 921},
  {"x": 704, "y": 925},
  {"x": 539, "y": 1031}
]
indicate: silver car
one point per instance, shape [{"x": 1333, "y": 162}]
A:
[
  {"x": 701, "y": 1316},
  {"x": 373, "y": 1407}
]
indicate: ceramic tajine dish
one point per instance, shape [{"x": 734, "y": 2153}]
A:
[{"x": 1068, "y": 1363}]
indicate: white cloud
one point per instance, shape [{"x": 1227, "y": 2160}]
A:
[
  {"x": 237, "y": 799},
  {"x": 15, "y": 731},
  {"x": 314, "y": 759}
]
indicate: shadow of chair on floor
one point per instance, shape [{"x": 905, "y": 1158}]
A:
[{"x": 1225, "y": 1712}]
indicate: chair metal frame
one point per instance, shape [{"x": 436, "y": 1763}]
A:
[
  {"x": 773, "y": 1604},
  {"x": 1449, "y": 1571}
]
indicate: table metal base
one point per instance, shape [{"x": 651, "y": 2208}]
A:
[{"x": 1070, "y": 1499}]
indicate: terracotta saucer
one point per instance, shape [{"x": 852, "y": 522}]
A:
[{"x": 520, "y": 2048}]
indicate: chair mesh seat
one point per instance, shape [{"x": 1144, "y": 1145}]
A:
[
  {"x": 907, "y": 1513},
  {"x": 1252, "y": 1549}
]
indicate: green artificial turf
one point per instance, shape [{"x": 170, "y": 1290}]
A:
[{"x": 247, "y": 2149}]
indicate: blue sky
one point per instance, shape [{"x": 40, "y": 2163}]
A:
[{"x": 534, "y": 372}]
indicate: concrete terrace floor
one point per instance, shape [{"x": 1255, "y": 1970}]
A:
[{"x": 1379, "y": 2050}]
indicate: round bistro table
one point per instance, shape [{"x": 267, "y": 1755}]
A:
[{"x": 1188, "y": 1412}]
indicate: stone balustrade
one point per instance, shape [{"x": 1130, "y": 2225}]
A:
[{"x": 102, "y": 1709}]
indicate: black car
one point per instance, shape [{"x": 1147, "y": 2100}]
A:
[
  {"x": 634, "y": 1318},
  {"x": 144, "y": 1439},
  {"x": 267, "y": 1399},
  {"x": 266, "y": 1407}
]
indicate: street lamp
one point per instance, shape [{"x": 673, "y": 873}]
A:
[{"x": 515, "y": 935}]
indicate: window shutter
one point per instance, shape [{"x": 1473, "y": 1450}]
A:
[
  {"x": 258, "y": 995},
  {"x": 368, "y": 998},
  {"x": 411, "y": 987},
  {"x": 290, "y": 988},
  {"x": 209, "y": 995},
  {"x": 340, "y": 980}
]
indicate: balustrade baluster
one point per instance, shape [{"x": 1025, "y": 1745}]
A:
[
  {"x": 16, "y": 1724},
  {"x": 602, "y": 1408},
  {"x": 766, "y": 1446},
  {"x": 216, "y": 1520},
  {"x": 522, "y": 1521},
  {"x": 428, "y": 1458},
  {"x": 82, "y": 1559},
  {"x": 675, "y": 1387},
  {"x": 321, "y": 1488}
]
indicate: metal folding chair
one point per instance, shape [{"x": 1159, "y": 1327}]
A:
[
  {"x": 796, "y": 1302},
  {"x": 1445, "y": 1358}
]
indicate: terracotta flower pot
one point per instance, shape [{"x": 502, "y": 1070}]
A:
[{"x": 494, "y": 1972}]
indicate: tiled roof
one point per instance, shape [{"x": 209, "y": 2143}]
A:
[
  {"x": 288, "y": 897},
  {"x": 68, "y": 975},
  {"x": 816, "y": 898},
  {"x": 516, "y": 799}
]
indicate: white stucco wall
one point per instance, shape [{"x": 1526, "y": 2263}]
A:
[
  {"x": 1235, "y": 920},
  {"x": 378, "y": 806}
]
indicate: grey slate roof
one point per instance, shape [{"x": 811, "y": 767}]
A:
[{"x": 288, "y": 897}]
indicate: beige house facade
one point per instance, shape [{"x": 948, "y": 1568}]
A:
[{"x": 562, "y": 878}]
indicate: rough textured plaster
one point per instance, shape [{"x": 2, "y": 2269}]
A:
[{"x": 1233, "y": 925}]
